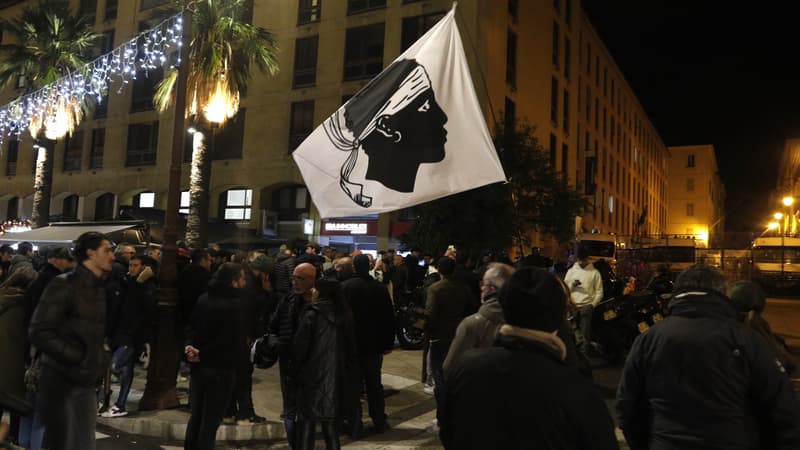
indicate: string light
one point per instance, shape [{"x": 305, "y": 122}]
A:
[{"x": 56, "y": 107}]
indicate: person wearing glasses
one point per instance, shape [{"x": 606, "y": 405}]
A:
[{"x": 480, "y": 329}]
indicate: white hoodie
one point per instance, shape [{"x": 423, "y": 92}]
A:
[{"x": 589, "y": 287}]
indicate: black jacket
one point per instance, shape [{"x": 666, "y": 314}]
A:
[
  {"x": 518, "y": 395},
  {"x": 258, "y": 305},
  {"x": 700, "y": 379},
  {"x": 134, "y": 317},
  {"x": 373, "y": 314},
  {"x": 68, "y": 326},
  {"x": 283, "y": 324},
  {"x": 192, "y": 283},
  {"x": 314, "y": 362},
  {"x": 36, "y": 288},
  {"x": 216, "y": 330}
]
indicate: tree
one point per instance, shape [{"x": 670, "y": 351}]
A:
[
  {"x": 222, "y": 49},
  {"x": 534, "y": 197},
  {"x": 49, "y": 43}
]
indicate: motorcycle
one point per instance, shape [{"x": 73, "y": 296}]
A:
[{"x": 409, "y": 311}]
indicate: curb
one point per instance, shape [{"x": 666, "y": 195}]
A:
[{"x": 159, "y": 428}]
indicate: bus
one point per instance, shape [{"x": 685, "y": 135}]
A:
[{"x": 776, "y": 262}]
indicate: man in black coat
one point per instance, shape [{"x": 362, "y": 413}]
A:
[
  {"x": 700, "y": 379},
  {"x": 519, "y": 394},
  {"x": 373, "y": 318},
  {"x": 59, "y": 260},
  {"x": 68, "y": 329}
]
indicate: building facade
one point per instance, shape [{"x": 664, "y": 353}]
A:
[
  {"x": 534, "y": 60},
  {"x": 696, "y": 195}
]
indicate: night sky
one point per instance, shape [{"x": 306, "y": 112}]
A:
[{"x": 709, "y": 74}]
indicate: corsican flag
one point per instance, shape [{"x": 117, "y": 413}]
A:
[{"x": 413, "y": 134}]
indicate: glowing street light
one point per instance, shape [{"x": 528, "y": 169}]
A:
[
  {"x": 778, "y": 215},
  {"x": 788, "y": 201},
  {"x": 773, "y": 225}
]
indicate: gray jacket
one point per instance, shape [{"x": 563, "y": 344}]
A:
[{"x": 476, "y": 331}]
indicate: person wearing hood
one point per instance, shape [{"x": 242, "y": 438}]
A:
[
  {"x": 215, "y": 346},
  {"x": 701, "y": 379},
  {"x": 519, "y": 393}
]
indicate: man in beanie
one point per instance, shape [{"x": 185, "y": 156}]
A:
[
  {"x": 700, "y": 379},
  {"x": 528, "y": 398},
  {"x": 373, "y": 319}
]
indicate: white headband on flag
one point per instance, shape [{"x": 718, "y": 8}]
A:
[{"x": 343, "y": 138}]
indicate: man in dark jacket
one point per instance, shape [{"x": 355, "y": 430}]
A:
[
  {"x": 281, "y": 331},
  {"x": 215, "y": 346},
  {"x": 59, "y": 260},
  {"x": 133, "y": 321},
  {"x": 68, "y": 329},
  {"x": 700, "y": 379},
  {"x": 373, "y": 317},
  {"x": 6, "y": 253},
  {"x": 519, "y": 394},
  {"x": 447, "y": 304}
]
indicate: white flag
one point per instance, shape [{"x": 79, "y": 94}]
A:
[{"x": 413, "y": 134}]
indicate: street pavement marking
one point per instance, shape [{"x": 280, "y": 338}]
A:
[
  {"x": 99, "y": 435},
  {"x": 396, "y": 381}
]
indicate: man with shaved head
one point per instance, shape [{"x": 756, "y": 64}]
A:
[{"x": 281, "y": 331}]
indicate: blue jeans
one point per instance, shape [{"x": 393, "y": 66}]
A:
[
  {"x": 31, "y": 429},
  {"x": 122, "y": 362}
]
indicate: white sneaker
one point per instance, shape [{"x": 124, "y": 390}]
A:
[
  {"x": 114, "y": 411},
  {"x": 428, "y": 389}
]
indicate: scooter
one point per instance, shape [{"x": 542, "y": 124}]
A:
[{"x": 409, "y": 310}]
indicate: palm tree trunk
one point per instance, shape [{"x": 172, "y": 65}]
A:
[
  {"x": 199, "y": 185},
  {"x": 43, "y": 184}
]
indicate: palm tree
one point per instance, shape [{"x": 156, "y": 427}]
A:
[
  {"x": 222, "y": 49},
  {"x": 49, "y": 43}
]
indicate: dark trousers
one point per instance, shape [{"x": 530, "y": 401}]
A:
[
  {"x": 585, "y": 326},
  {"x": 306, "y": 430},
  {"x": 438, "y": 352},
  {"x": 289, "y": 403},
  {"x": 370, "y": 373},
  {"x": 69, "y": 411},
  {"x": 241, "y": 405},
  {"x": 210, "y": 391}
]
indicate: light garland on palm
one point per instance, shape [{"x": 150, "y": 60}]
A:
[{"x": 58, "y": 106}]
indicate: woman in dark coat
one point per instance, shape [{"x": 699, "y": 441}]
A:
[{"x": 323, "y": 356}]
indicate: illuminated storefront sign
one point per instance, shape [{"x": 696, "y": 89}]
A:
[{"x": 329, "y": 228}]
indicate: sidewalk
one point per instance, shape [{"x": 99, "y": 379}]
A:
[{"x": 405, "y": 401}]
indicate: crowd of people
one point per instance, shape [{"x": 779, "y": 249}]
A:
[{"x": 506, "y": 366}]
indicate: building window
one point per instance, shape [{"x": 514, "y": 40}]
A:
[
  {"x": 690, "y": 161},
  {"x": 513, "y": 9},
  {"x": 237, "y": 204},
  {"x": 556, "y": 43},
  {"x": 309, "y": 11},
  {"x": 184, "y": 206},
  {"x": 105, "y": 43},
  {"x": 222, "y": 143},
  {"x": 567, "y": 50},
  {"x": 415, "y": 27},
  {"x": 568, "y": 11},
  {"x": 97, "y": 149},
  {"x": 690, "y": 209},
  {"x": 291, "y": 202},
  {"x": 11, "y": 159},
  {"x": 73, "y": 151},
  {"x": 69, "y": 208},
  {"x": 564, "y": 159},
  {"x": 511, "y": 59},
  {"x": 111, "y": 9},
  {"x": 566, "y": 112},
  {"x": 588, "y": 104},
  {"x": 144, "y": 200},
  {"x": 590, "y": 168},
  {"x": 142, "y": 144},
  {"x": 147, "y": 4},
  {"x": 357, "y": 6},
  {"x": 557, "y": 6},
  {"x": 690, "y": 184},
  {"x": 554, "y": 101},
  {"x": 301, "y": 123},
  {"x": 588, "y": 59},
  {"x": 510, "y": 118},
  {"x": 88, "y": 8},
  {"x": 104, "y": 207},
  {"x": 305, "y": 62},
  {"x": 363, "y": 53},
  {"x": 143, "y": 88},
  {"x": 553, "y": 150}
]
